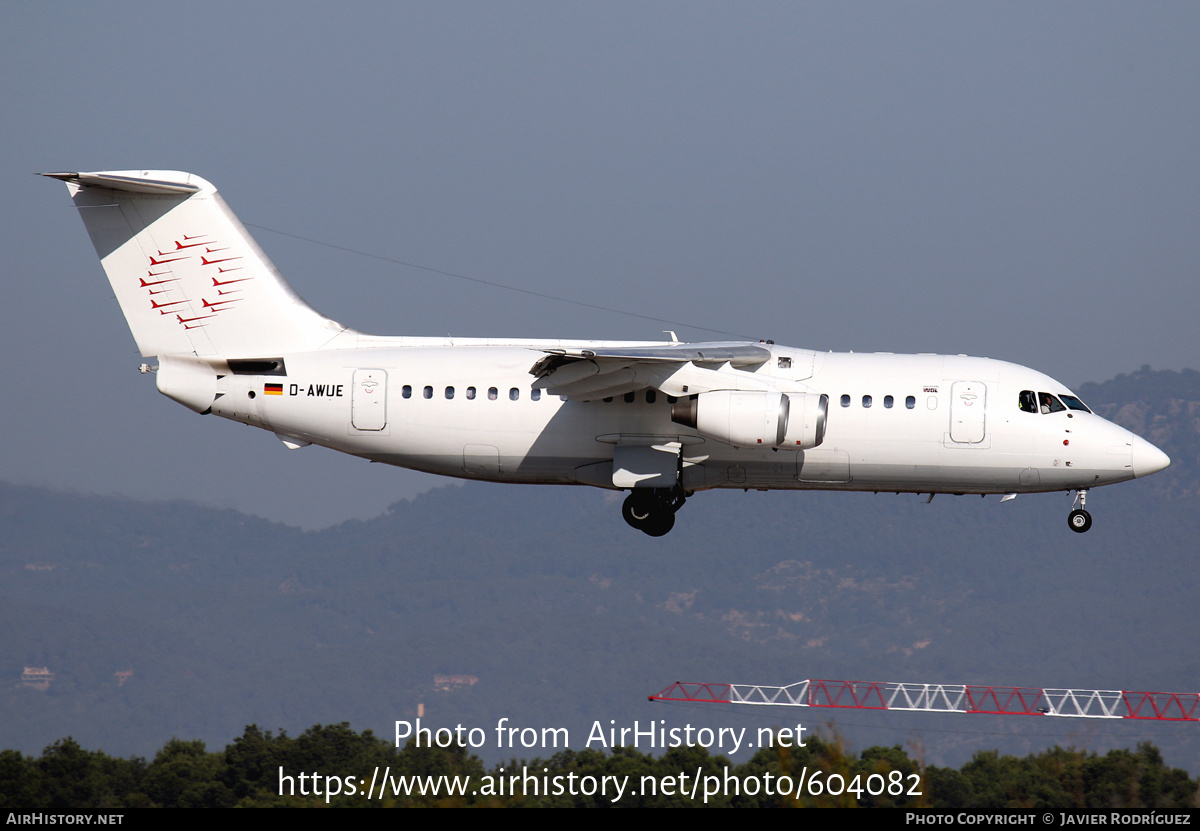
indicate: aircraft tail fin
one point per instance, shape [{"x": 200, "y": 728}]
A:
[{"x": 189, "y": 277}]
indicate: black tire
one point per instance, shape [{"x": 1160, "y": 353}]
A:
[
  {"x": 660, "y": 524},
  {"x": 1079, "y": 521},
  {"x": 638, "y": 511}
]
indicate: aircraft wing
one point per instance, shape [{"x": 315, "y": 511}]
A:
[{"x": 588, "y": 373}]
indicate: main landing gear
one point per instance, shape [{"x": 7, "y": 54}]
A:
[
  {"x": 1079, "y": 520},
  {"x": 652, "y": 510}
]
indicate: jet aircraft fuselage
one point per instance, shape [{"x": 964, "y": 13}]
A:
[{"x": 920, "y": 423}]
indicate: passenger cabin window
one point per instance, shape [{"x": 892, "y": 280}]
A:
[
  {"x": 407, "y": 391},
  {"x": 470, "y": 393},
  {"x": 449, "y": 393},
  {"x": 1047, "y": 403},
  {"x": 536, "y": 395},
  {"x": 1027, "y": 401},
  {"x": 629, "y": 397},
  {"x": 911, "y": 402},
  {"x": 866, "y": 401},
  {"x": 845, "y": 401},
  {"x": 514, "y": 394},
  {"x": 651, "y": 396},
  {"x": 493, "y": 394},
  {"x": 888, "y": 401},
  {"x": 427, "y": 392}
]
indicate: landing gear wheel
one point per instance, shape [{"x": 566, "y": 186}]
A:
[
  {"x": 660, "y": 524},
  {"x": 653, "y": 513},
  {"x": 638, "y": 510},
  {"x": 1079, "y": 521}
]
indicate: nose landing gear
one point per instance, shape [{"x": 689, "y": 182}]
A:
[
  {"x": 652, "y": 510},
  {"x": 1079, "y": 520}
]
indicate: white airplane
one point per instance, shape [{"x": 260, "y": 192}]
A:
[{"x": 659, "y": 420}]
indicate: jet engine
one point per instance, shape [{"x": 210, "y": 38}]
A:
[{"x": 749, "y": 418}]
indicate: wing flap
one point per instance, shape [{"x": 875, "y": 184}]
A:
[{"x": 603, "y": 386}]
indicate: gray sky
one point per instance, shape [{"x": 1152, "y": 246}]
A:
[{"x": 1014, "y": 180}]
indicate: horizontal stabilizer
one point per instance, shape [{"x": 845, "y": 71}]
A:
[{"x": 128, "y": 184}]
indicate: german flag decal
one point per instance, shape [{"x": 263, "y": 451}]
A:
[{"x": 272, "y": 389}]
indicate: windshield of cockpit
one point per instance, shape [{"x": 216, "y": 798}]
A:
[{"x": 1045, "y": 402}]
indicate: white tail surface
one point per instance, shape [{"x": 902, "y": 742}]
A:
[{"x": 189, "y": 277}]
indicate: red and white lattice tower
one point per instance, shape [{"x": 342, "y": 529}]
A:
[{"x": 946, "y": 698}]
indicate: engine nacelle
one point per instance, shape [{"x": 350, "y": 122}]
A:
[
  {"x": 806, "y": 421},
  {"x": 752, "y": 418}
]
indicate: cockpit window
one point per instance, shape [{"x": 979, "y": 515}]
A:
[
  {"x": 1047, "y": 403},
  {"x": 1075, "y": 404},
  {"x": 1028, "y": 401}
]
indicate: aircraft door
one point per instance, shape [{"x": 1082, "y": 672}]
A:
[
  {"x": 968, "y": 412},
  {"x": 368, "y": 402}
]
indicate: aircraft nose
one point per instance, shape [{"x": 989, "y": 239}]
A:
[{"x": 1147, "y": 458}]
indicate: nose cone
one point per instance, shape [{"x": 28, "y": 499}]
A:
[{"x": 1147, "y": 458}]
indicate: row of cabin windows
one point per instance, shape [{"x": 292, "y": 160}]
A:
[
  {"x": 888, "y": 401},
  {"x": 1028, "y": 402},
  {"x": 514, "y": 394},
  {"x": 470, "y": 393}
]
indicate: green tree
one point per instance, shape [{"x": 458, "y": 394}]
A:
[{"x": 184, "y": 775}]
